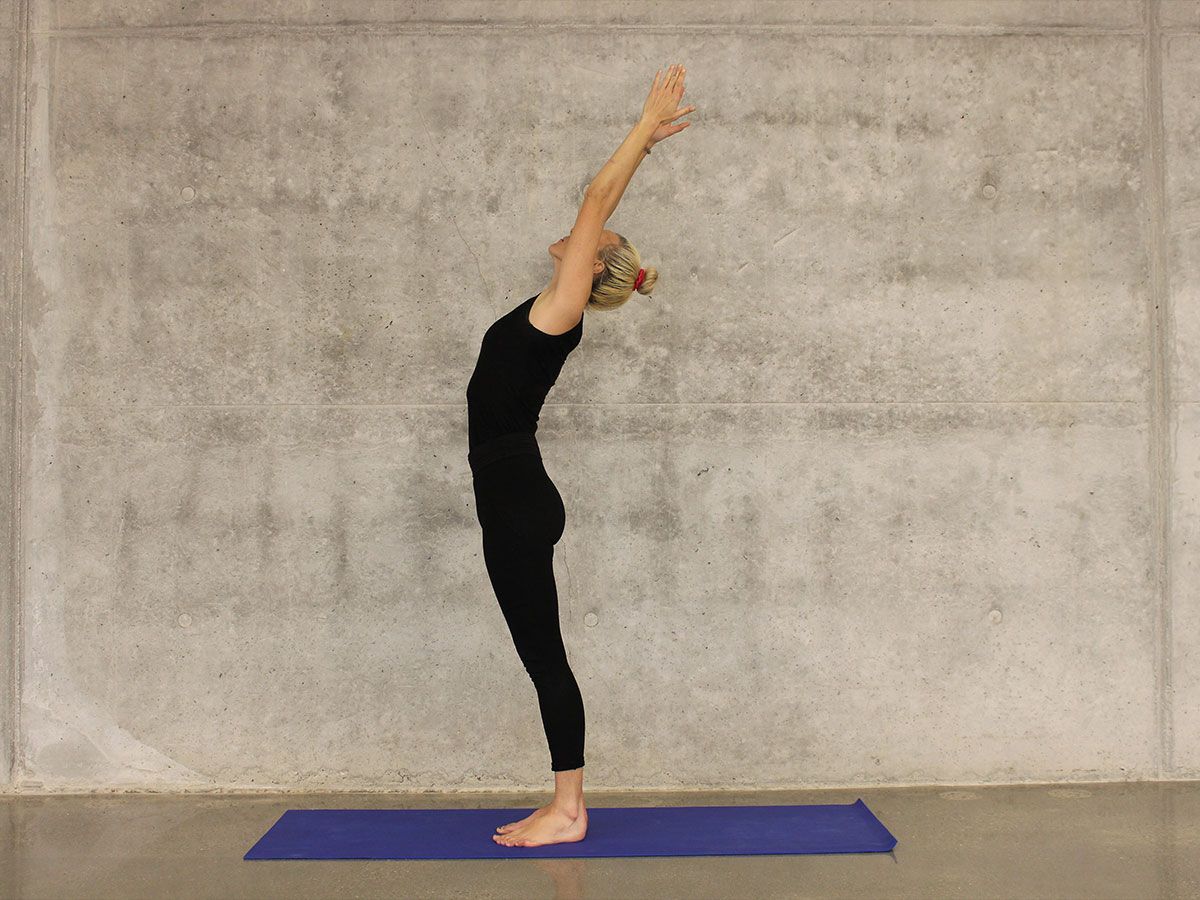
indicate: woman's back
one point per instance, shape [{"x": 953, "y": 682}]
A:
[{"x": 518, "y": 364}]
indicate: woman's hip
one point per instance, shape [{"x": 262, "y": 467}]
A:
[{"x": 516, "y": 499}]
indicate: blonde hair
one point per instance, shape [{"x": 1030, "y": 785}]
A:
[{"x": 614, "y": 285}]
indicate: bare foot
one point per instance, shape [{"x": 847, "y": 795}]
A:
[
  {"x": 553, "y": 826},
  {"x": 537, "y": 813}
]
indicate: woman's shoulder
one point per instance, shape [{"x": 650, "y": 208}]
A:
[{"x": 551, "y": 318}]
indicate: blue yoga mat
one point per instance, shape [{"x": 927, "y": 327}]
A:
[{"x": 612, "y": 831}]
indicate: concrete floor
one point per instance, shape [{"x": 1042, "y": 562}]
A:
[{"x": 1082, "y": 840}]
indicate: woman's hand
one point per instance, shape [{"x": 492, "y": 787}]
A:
[{"x": 662, "y": 105}]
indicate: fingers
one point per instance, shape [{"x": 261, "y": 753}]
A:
[
  {"x": 670, "y": 84},
  {"x": 675, "y": 74}
]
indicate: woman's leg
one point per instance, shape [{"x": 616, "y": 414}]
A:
[
  {"x": 523, "y": 518},
  {"x": 522, "y": 575}
]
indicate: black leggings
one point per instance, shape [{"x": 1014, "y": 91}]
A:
[{"x": 523, "y": 517}]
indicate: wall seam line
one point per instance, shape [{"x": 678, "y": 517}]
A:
[
  {"x": 19, "y": 221},
  {"x": 1160, "y": 407},
  {"x": 523, "y": 28}
]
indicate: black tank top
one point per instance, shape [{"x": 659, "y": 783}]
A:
[{"x": 518, "y": 364}]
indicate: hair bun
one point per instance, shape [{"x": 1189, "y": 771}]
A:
[{"x": 644, "y": 283}]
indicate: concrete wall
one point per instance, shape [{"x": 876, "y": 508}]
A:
[
  {"x": 11, "y": 94},
  {"x": 896, "y": 479}
]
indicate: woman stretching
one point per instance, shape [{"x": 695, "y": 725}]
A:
[{"x": 518, "y": 506}]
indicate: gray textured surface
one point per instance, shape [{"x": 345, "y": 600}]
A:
[
  {"x": 1094, "y": 841},
  {"x": 1181, "y": 108},
  {"x": 11, "y": 95},
  {"x": 872, "y": 490}
]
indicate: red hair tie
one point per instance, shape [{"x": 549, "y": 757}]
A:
[{"x": 641, "y": 276}]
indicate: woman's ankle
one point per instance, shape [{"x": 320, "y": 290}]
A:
[
  {"x": 569, "y": 805},
  {"x": 568, "y": 791}
]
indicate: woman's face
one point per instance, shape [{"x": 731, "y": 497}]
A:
[{"x": 559, "y": 247}]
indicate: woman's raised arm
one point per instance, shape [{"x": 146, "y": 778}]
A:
[{"x": 660, "y": 109}]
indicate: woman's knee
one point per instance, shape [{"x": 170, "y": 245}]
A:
[{"x": 547, "y": 665}]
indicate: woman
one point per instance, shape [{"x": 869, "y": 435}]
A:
[{"x": 518, "y": 506}]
